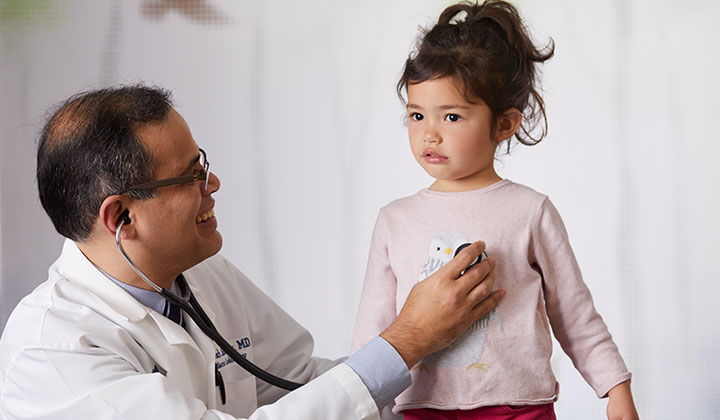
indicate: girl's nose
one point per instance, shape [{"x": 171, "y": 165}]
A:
[{"x": 431, "y": 135}]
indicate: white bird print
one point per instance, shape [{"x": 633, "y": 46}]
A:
[
  {"x": 441, "y": 251},
  {"x": 467, "y": 349}
]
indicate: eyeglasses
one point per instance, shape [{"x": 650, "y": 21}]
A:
[{"x": 198, "y": 175}]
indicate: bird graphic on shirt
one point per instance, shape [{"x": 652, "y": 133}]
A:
[
  {"x": 441, "y": 251},
  {"x": 467, "y": 349}
]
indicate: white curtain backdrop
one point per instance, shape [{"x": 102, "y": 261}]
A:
[{"x": 295, "y": 104}]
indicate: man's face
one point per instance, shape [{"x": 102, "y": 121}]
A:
[{"x": 177, "y": 227}]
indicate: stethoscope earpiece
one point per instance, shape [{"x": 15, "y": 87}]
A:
[{"x": 125, "y": 217}]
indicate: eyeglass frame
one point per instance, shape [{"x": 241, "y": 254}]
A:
[{"x": 203, "y": 175}]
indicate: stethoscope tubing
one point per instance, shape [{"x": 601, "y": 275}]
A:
[{"x": 193, "y": 308}]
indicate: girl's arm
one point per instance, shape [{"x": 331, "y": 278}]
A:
[
  {"x": 377, "y": 308},
  {"x": 580, "y": 330}
]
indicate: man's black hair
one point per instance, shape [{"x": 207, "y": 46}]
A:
[{"x": 88, "y": 150}]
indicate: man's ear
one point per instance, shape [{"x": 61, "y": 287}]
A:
[
  {"x": 113, "y": 210},
  {"x": 507, "y": 124}
]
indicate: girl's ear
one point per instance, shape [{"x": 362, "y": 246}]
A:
[{"x": 507, "y": 124}]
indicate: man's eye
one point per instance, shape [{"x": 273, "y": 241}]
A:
[
  {"x": 416, "y": 116},
  {"x": 453, "y": 117}
]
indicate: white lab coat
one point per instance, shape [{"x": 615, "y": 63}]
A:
[{"x": 80, "y": 347}]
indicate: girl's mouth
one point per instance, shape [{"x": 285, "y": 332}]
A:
[{"x": 431, "y": 156}]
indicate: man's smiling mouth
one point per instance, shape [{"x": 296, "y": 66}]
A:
[{"x": 203, "y": 217}]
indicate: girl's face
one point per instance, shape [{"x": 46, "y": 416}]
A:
[{"x": 450, "y": 137}]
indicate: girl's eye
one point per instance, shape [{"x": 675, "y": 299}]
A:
[
  {"x": 416, "y": 116},
  {"x": 453, "y": 117}
]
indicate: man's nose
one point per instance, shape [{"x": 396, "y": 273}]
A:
[{"x": 213, "y": 184}]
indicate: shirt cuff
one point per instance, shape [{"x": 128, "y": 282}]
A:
[{"x": 381, "y": 369}]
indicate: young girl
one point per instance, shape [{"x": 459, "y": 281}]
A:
[{"x": 470, "y": 86}]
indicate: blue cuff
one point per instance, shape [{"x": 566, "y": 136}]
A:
[{"x": 381, "y": 369}]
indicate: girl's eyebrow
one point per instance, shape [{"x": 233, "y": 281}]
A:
[
  {"x": 443, "y": 107},
  {"x": 453, "y": 106}
]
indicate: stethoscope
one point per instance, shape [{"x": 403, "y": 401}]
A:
[{"x": 190, "y": 306}]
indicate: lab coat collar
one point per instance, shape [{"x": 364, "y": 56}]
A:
[
  {"x": 75, "y": 267},
  {"x": 199, "y": 296}
]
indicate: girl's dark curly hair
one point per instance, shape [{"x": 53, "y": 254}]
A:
[{"x": 487, "y": 48}]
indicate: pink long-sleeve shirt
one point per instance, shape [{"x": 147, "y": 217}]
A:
[{"x": 504, "y": 358}]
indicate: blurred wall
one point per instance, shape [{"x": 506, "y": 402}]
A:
[{"x": 294, "y": 103}]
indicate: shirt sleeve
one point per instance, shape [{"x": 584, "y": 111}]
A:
[
  {"x": 381, "y": 369},
  {"x": 576, "y": 324},
  {"x": 377, "y": 309}
]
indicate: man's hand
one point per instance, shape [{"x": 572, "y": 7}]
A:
[
  {"x": 621, "y": 405},
  {"x": 444, "y": 305}
]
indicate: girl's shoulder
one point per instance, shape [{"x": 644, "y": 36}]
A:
[
  {"x": 524, "y": 199},
  {"x": 523, "y": 192},
  {"x": 403, "y": 204}
]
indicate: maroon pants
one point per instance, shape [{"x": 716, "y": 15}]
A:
[{"x": 496, "y": 412}]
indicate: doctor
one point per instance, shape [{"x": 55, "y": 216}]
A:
[{"x": 94, "y": 341}]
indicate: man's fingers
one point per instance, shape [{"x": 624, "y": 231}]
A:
[
  {"x": 480, "y": 281},
  {"x": 466, "y": 257},
  {"x": 486, "y": 305},
  {"x": 477, "y": 275}
]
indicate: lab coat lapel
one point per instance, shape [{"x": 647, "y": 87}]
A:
[
  {"x": 206, "y": 346},
  {"x": 193, "y": 347},
  {"x": 187, "y": 358},
  {"x": 201, "y": 300}
]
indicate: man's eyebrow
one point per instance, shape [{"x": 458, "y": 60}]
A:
[{"x": 192, "y": 163}]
